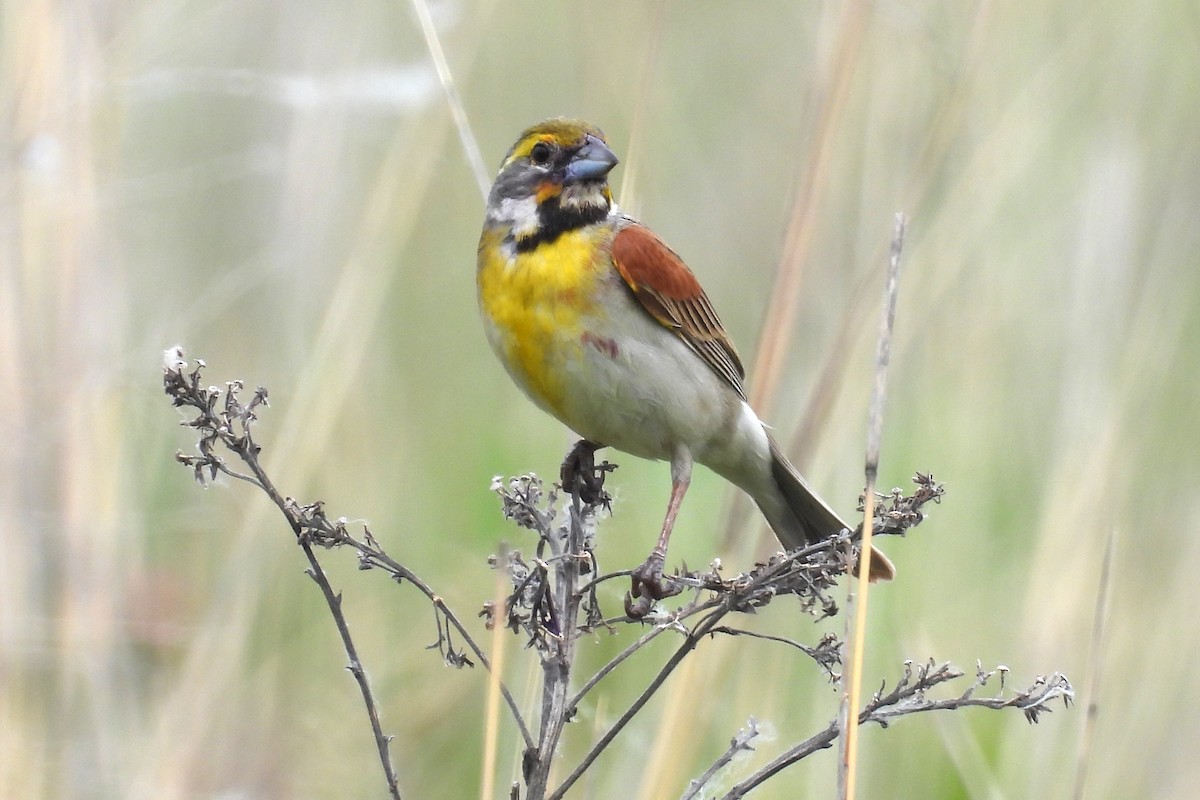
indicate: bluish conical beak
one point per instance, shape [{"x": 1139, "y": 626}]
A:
[{"x": 591, "y": 162}]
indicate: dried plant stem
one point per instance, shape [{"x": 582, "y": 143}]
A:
[
  {"x": 491, "y": 735},
  {"x": 613, "y": 663},
  {"x": 248, "y": 452},
  {"x": 909, "y": 696},
  {"x": 556, "y": 667},
  {"x": 222, "y": 418},
  {"x": 847, "y": 764},
  {"x": 739, "y": 743},
  {"x": 334, "y": 601},
  {"x": 457, "y": 111},
  {"x": 848, "y": 761},
  {"x": 816, "y": 742}
]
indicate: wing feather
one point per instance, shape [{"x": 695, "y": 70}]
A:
[{"x": 670, "y": 293}]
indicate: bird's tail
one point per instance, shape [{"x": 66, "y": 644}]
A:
[{"x": 803, "y": 518}]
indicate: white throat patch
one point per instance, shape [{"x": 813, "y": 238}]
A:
[{"x": 521, "y": 214}]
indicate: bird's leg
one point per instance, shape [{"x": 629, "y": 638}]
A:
[
  {"x": 578, "y": 473},
  {"x": 648, "y": 578}
]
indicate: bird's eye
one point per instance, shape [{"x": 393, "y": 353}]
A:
[{"x": 540, "y": 153}]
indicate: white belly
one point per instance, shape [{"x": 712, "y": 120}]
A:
[{"x": 643, "y": 391}]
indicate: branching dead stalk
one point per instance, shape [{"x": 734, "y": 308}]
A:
[
  {"x": 223, "y": 419},
  {"x": 555, "y": 600}
]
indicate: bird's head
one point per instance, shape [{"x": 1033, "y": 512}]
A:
[{"x": 554, "y": 179}]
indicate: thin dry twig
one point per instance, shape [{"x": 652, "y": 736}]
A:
[
  {"x": 847, "y": 764},
  {"x": 739, "y": 744},
  {"x": 458, "y": 112},
  {"x": 223, "y": 419},
  {"x": 909, "y": 696},
  {"x": 491, "y": 736}
]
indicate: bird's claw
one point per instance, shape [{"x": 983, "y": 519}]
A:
[
  {"x": 636, "y": 609},
  {"x": 580, "y": 475},
  {"x": 649, "y": 585}
]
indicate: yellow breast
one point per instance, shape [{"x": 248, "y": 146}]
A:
[{"x": 535, "y": 305}]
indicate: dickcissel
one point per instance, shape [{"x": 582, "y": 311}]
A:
[{"x": 603, "y": 326}]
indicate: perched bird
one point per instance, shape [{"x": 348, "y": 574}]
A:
[{"x": 604, "y": 327}]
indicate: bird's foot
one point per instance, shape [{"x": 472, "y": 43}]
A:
[
  {"x": 580, "y": 475},
  {"x": 649, "y": 585}
]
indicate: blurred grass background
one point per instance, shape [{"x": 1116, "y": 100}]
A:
[{"x": 279, "y": 188}]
